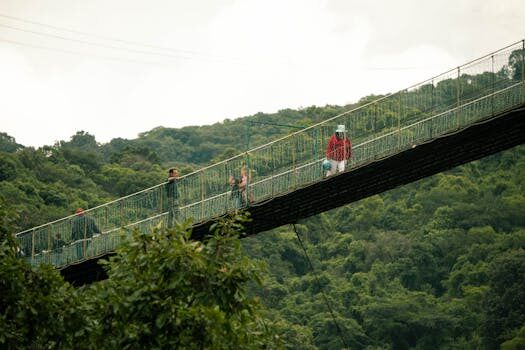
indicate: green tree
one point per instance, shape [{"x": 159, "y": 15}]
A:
[
  {"x": 517, "y": 342},
  {"x": 516, "y": 60},
  {"x": 504, "y": 306},
  {"x": 82, "y": 141},
  {"x": 8, "y": 143},
  {"x": 8, "y": 167},
  {"x": 37, "y": 309},
  {"x": 165, "y": 292}
]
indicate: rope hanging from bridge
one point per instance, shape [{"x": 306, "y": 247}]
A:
[{"x": 325, "y": 298}]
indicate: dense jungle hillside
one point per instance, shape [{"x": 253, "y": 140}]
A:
[{"x": 436, "y": 264}]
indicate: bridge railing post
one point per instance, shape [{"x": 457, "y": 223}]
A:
[
  {"x": 248, "y": 179},
  {"x": 106, "y": 216},
  {"x": 523, "y": 66},
  {"x": 272, "y": 182},
  {"x": 399, "y": 113},
  {"x": 493, "y": 85},
  {"x": 50, "y": 246},
  {"x": 458, "y": 97},
  {"x": 432, "y": 108},
  {"x": 161, "y": 199},
  {"x": 33, "y": 246},
  {"x": 203, "y": 193},
  {"x": 294, "y": 168}
]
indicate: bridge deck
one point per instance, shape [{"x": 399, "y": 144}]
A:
[
  {"x": 490, "y": 136},
  {"x": 464, "y": 114}
]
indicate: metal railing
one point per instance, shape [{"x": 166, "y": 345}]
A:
[{"x": 441, "y": 105}]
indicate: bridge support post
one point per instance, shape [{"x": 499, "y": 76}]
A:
[
  {"x": 432, "y": 109},
  {"x": 458, "y": 98},
  {"x": 523, "y": 65},
  {"x": 399, "y": 113},
  {"x": 33, "y": 247},
  {"x": 492, "y": 88}
]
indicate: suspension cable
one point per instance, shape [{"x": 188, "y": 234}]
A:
[{"x": 339, "y": 331}]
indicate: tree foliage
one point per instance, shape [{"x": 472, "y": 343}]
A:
[
  {"x": 37, "y": 308},
  {"x": 163, "y": 292},
  {"x": 436, "y": 264}
]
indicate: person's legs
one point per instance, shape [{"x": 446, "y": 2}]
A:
[
  {"x": 238, "y": 201},
  {"x": 87, "y": 248},
  {"x": 176, "y": 214},
  {"x": 341, "y": 166},
  {"x": 79, "y": 249},
  {"x": 170, "y": 217},
  {"x": 242, "y": 199}
]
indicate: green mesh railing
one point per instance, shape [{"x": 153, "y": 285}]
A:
[{"x": 444, "y": 104}]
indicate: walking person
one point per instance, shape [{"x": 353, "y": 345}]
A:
[
  {"x": 56, "y": 252},
  {"x": 82, "y": 230},
  {"x": 338, "y": 151},
  {"x": 172, "y": 194},
  {"x": 246, "y": 192},
  {"x": 235, "y": 193}
]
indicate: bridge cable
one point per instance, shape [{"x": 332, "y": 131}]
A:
[{"x": 325, "y": 298}]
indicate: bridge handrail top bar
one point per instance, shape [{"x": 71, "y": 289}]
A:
[
  {"x": 134, "y": 223},
  {"x": 270, "y": 177},
  {"x": 90, "y": 209},
  {"x": 327, "y": 121},
  {"x": 485, "y": 56},
  {"x": 389, "y": 95},
  {"x": 436, "y": 115},
  {"x": 265, "y": 179}
]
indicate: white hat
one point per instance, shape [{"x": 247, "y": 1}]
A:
[{"x": 340, "y": 128}]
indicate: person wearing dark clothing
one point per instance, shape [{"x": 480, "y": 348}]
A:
[
  {"x": 58, "y": 243},
  {"x": 57, "y": 248},
  {"x": 172, "y": 194},
  {"x": 83, "y": 227},
  {"x": 82, "y": 230},
  {"x": 235, "y": 193}
]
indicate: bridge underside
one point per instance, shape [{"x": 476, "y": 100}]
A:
[{"x": 477, "y": 141}]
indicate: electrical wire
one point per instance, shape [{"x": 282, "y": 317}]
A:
[
  {"x": 175, "y": 53},
  {"x": 86, "y": 42},
  {"x": 14, "y": 42},
  {"x": 128, "y": 42}
]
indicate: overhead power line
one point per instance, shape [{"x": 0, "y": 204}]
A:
[
  {"x": 147, "y": 49},
  {"x": 128, "y": 42},
  {"x": 86, "y": 42},
  {"x": 176, "y": 53},
  {"x": 169, "y": 52},
  {"x": 40, "y": 47}
]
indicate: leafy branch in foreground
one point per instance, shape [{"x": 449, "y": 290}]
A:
[{"x": 165, "y": 291}]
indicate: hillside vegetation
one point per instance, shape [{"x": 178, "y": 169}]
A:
[{"x": 436, "y": 264}]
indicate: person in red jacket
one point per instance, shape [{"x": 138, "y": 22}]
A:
[{"x": 338, "y": 151}]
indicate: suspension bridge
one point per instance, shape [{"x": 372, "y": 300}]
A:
[{"x": 469, "y": 112}]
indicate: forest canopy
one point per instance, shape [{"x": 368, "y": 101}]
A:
[{"x": 436, "y": 264}]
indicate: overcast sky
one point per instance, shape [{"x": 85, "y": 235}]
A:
[{"x": 115, "y": 68}]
